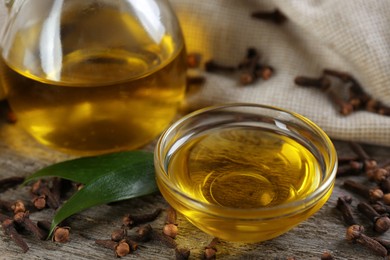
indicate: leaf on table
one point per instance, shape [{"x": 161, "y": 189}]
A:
[
  {"x": 118, "y": 185},
  {"x": 107, "y": 178},
  {"x": 83, "y": 170}
]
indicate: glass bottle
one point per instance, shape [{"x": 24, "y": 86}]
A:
[{"x": 93, "y": 76}]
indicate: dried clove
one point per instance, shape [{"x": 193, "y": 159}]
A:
[
  {"x": 361, "y": 100},
  {"x": 386, "y": 198},
  {"x": 44, "y": 225},
  {"x": 41, "y": 188},
  {"x": 171, "y": 217},
  {"x": 61, "y": 234},
  {"x": 355, "y": 234},
  {"x": 23, "y": 219},
  {"x": 346, "y": 159},
  {"x": 193, "y": 60},
  {"x": 15, "y": 207},
  {"x": 210, "y": 251},
  {"x": 383, "y": 242},
  {"x": 383, "y": 110},
  {"x": 18, "y": 206},
  {"x": 118, "y": 234},
  {"x": 352, "y": 168},
  {"x": 144, "y": 233},
  {"x": 369, "y": 163},
  {"x": 170, "y": 228},
  {"x": 264, "y": 72},
  {"x": 378, "y": 175},
  {"x": 372, "y": 194},
  {"x": 343, "y": 76},
  {"x": 122, "y": 248},
  {"x": 106, "y": 243},
  {"x": 344, "y": 205},
  {"x": 372, "y": 105},
  {"x": 275, "y": 16},
  {"x": 381, "y": 208},
  {"x": 134, "y": 220},
  {"x": 251, "y": 69},
  {"x": 248, "y": 67},
  {"x": 133, "y": 244},
  {"x": 345, "y": 108},
  {"x": 327, "y": 256},
  {"x": 39, "y": 202},
  {"x": 381, "y": 222},
  {"x": 251, "y": 54},
  {"x": 10, "y": 231},
  {"x": 385, "y": 185},
  {"x": 212, "y": 66},
  {"x": 358, "y": 99},
  {"x": 322, "y": 83}
]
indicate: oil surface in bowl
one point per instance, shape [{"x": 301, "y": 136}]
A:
[{"x": 244, "y": 167}]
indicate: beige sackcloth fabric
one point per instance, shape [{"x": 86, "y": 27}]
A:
[{"x": 352, "y": 36}]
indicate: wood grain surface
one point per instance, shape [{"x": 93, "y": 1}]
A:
[{"x": 324, "y": 232}]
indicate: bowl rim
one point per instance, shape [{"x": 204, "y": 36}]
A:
[{"x": 289, "y": 208}]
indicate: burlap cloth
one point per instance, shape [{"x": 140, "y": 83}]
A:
[{"x": 352, "y": 36}]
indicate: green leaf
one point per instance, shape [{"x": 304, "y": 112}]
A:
[
  {"x": 107, "y": 178},
  {"x": 83, "y": 170},
  {"x": 118, "y": 185}
]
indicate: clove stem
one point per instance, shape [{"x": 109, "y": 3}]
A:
[{"x": 344, "y": 205}]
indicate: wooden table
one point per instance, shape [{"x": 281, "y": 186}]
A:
[{"x": 325, "y": 231}]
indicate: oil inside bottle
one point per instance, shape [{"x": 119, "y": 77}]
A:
[
  {"x": 78, "y": 95},
  {"x": 244, "y": 167}
]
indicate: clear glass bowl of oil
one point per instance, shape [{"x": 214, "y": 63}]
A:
[
  {"x": 245, "y": 172},
  {"x": 93, "y": 76}
]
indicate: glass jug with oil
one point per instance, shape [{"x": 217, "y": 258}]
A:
[{"x": 93, "y": 76}]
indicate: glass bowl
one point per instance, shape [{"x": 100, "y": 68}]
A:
[{"x": 245, "y": 172}]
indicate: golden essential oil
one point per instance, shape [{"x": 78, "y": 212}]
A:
[
  {"x": 90, "y": 99},
  {"x": 242, "y": 168}
]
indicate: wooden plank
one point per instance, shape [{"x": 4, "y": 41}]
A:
[{"x": 20, "y": 156}]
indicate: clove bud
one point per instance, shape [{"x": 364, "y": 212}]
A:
[
  {"x": 61, "y": 234},
  {"x": 355, "y": 234},
  {"x": 210, "y": 251},
  {"x": 381, "y": 222}
]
